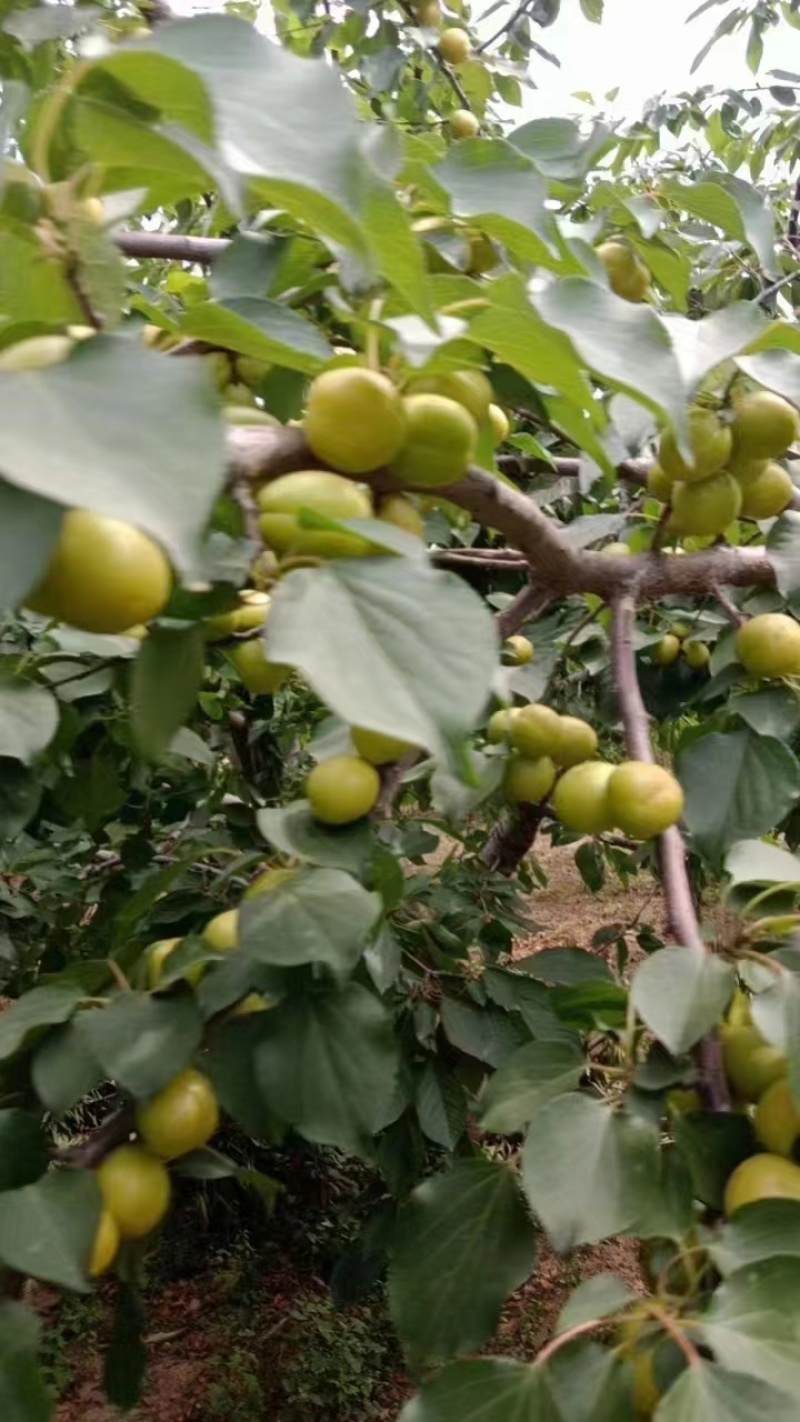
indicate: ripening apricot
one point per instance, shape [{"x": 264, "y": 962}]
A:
[
  {"x": 528, "y": 781},
  {"x": 762, "y": 1177},
  {"x": 659, "y": 484},
  {"x": 342, "y": 789},
  {"x": 768, "y": 494},
  {"x": 463, "y": 124},
  {"x": 106, "y": 1244},
  {"x": 696, "y": 654},
  {"x": 454, "y": 45},
  {"x": 627, "y": 274},
  {"x": 751, "y": 1062},
  {"x": 517, "y": 651},
  {"x": 440, "y": 442},
  {"x": 103, "y": 576},
  {"x": 282, "y": 502},
  {"x": 260, "y": 676},
  {"x": 643, "y": 800},
  {"x": 707, "y": 507},
  {"x": 580, "y": 798},
  {"x": 710, "y": 441},
  {"x": 397, "y": 510},
  {"x": 666, "y": 651},
  {"x": 181, "y": 1118},
  {"x": 37, "y": 353},
  {"x": 764, "y": 425},
  {"x": 576, "y": 741},
  {"x": 769, "y": 645},
  {"x": 777, "y": 1118},
  {"x": 135, "y": 1188},
  {"x": 534, "y": 730},
  {"x": 498, "y": 419},
  {"x": 377, "y": 748},
  {"x": 222, "y": 931},
  {"x": 354, "y": 419},
  {"x": 498, "y": 727},
  {"x": 469, "y": 388}
]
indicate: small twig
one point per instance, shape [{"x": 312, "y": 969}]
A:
[
  {"x": 440, "y": 63},
  {"x": 392, "y": 782},
  {"x": 72, "y": 276},
  {"x": 528, "y": 604},
  {"x": 454, "y": 558},
  {"x": 509, "y": 25},
  {"x": 675, "y": 1332},
  {"x": 546, "y": 1353},
  {"x": 729, "y": 608},
  {"x": 115, "y": 1130},
  {"x": 101, "y": 665}
]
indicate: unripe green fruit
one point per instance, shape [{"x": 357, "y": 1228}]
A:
[
  {"x": 482, "y": 258},
  {"x": 706, "y": 508},
  {"x": 249, "y": 415},
  {"x": 580, "y": 798},
  {"x": 342, "y": 789},
  {"x": 463, "y": 124},
  {"x": 769, "y": 645},
  {"x": 106, "y": 1244},
  {"x": 627, "y": 275},
  {"x": 251, "y": 369},
  {"x": 643, "y": 800},
  {"x": 767, "y": 495},
  {"x": 454, "y": 46},
  {"x": 222, "y": 931},
  {"x": 156, "y": 957},
  {"x": 710, "y": 441},
  {"x": 37, "y": 353},
  {"x": 751, "y": 1063},
  {"x": 615, "y": 550},
  {"x": 762, "y": 1177},
  {"x": 696, "y": 655},
  {"x": 268, "y": 882},
  {"x": 259, "y": 675},
  {"x": 281, "y": 502},
  {"x": 354, "y": 420},
  {"x": 777, "y": 1118},
  {"x": 498, "y": 419},
  {"x": 498, "y": 727},
  {"x": 136, "y": 1190},
  {"x": 103, "y": 576},
  {"x": 534, "y": 731},
  {"x": 377, "y": 748},
  {"x": 440, "y": 442},
  {"x": 403, "y": 514},
  {"x": 518, "y": 651},
  {"x": 181, "y": 1118},
  {"x": 248, "y": 616},
  {"x": 427, "y": 13},
  {"x": 764, "y": 425},
  {"x": 528, "y": 781},
  {"x": 659, "y": 484},
  {"x": 745, "y": 469},
  {"x": 469, "y": 388},
  {"x": 667, "y": 651},
  {"x": 577, "y": 741}
]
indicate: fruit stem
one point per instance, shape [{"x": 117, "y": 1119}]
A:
[
  {"x": 730, "y": 609},
  {"x": 767, "y": 894},
  {"x": 372, "y": 347},
  {"x": 676, "y": 1333},
  {"x": 563, "y": 1339},
  {"x": 764, "y": 961},
  {"x": 51, "y": 118}
]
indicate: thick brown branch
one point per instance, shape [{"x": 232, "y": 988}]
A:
[
  {"x": 512, "y": 838},
  {"x": 528, "y": 604},
  {"x": 114, "y": 1131}
]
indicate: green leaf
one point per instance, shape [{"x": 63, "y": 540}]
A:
[
  {"x": 354, "y": 631},
  {"x": 462, "y": 1243},
  {"x": 42, "y": 1007},
  {"x": 530, "y": 1078},
  {"x": 121, "y": 430},
  {"x": 707, "y": 1393},
  {"x": 63, "y": 1069},
  {"x": 489, "y": 1390},
  {"x": 751, "y": 861},
  {"x": 737, "y": 785},
  {"x": 732, "y": 205},
  {"x": 493, "y": 183},
  {"x": 230, "y": 1062},
  {"x": 34, "y": 27},
  {"x": 293, "y": 830},
  {"x": 167, "y": 675},
  {"x": 257, "y": 327},
  {"x": 28, "y": 720},
  {"x": 752, "y": 1324},
  {"x": 627, "y": 344},
  {"x": 592, "y": 10},
  {"x": 47, "y": 1230},
  {"x": 768, "y": 1229},
  {"x": 317, "y": 916},
  {"x": 485, "y": 1033},
  {"x": 397, "y": 254},
  {"x": 164, "y": 167},
  {"x": 29, "y": 527},
  {"x": 783, "y": 551},
  {"x": 565, "y": 967},
  {"x": 776, "y": 1013},
  {"x": 441, "y": 1105},
  {"x": 595, "y": 1298},
  {"x": 515, "y": 332},
  {"x": 702, "y": 345},
  {"x": 587, "y": 1170},
  {"x": 32, "y": 290},
  {"x": 142, "y": 1042},
  {"x": 126, "y": 1355},
  {"x": 774, "y": 712},
  {"x": 327, "y": 1064},
  {"x": 712, "y": 1147},
  {"x": 680, "y": 994},
  {"x": 23, "y": 1394},
  {"x": 23, "y": 1153},
  {"x": 20, "y": 797},
  {"x": 561, "y": 148}
]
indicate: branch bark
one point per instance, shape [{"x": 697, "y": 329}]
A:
[{"x": 171, "y": 247}]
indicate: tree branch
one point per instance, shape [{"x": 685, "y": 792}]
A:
[
  {"x": 528, "y": 604},
  {"x": 171, "y": 247},
  {"x": 681, "y": 914},
  {"x": 512, "y": 838},
  {"x": 113, "y": 1131}
]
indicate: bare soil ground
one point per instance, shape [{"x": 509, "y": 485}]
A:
[{"x": 194, "y": 1331}]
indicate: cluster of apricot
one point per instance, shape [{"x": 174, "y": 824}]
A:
[
  {"x": 589, "y": 796},
  {"x": 732, "y": 472},
  {"x": 758, "y": 1074},
  {"x": 133, "y": 1180},
  {"x": 455, "y": 49},
  {"x": 676, "y": 643}
]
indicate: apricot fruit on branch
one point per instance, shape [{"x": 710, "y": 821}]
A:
[
  {"x": 777, "y": 1118},
  {"x": 517, "y": 651},
  {"x": 268, "y": 882},
  {"x": 469, "y": 388},
  {"x": 135, "y": 1188},
  {"x": 577, "y": 741},
  {"x": 105, "y": 1246},
  {"x": 580, "y": 798},
  {"x": 342, "y": 789},
  {"x": 103, "y": 576},
  {"x": 403, "y": 514},
  {"x": 627, "y": 275},
  {"x": 751, "y": 1062},
  {"x": 762, "y": 1177},
  {"x": 281, "y": 502},
  {"x": 768, "y": 494},
  {"x": 710, "y": 442},
  {"x": 534, "y": 730},
  {"x": 769, "y": 645},
  {"x": 37, "y": 353},
  {"x": 261, "y": 676},
  {"x": 498, "y": 421},
  {"x": 454, "y": 45},
  {"x": 249, "y": 614},
  {"x": 615, "y": 550},
  {"x": 427, "y": 13},
  {"x": 440, "y": 442},
  {"x": 529, "y": 781},
  {"x": 498, "y": 727},
  {"x": 181, "y": 1118},
  {"x": 659, "y": 484},
  {"x": 377, "y": 748},
  {"x": 707, "y": 507},
  {"x": 222, "y": 931},
  {"x": 354, "y": 419},
  {"x": 666, "y": 651},
  {"x": 696, "y": 655},
  {"x": 643, "y": 800},
  {"x": 463, "y": 124},
  {"x": 156, "y": 957},
  {"x": 764, "y": 425}
]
